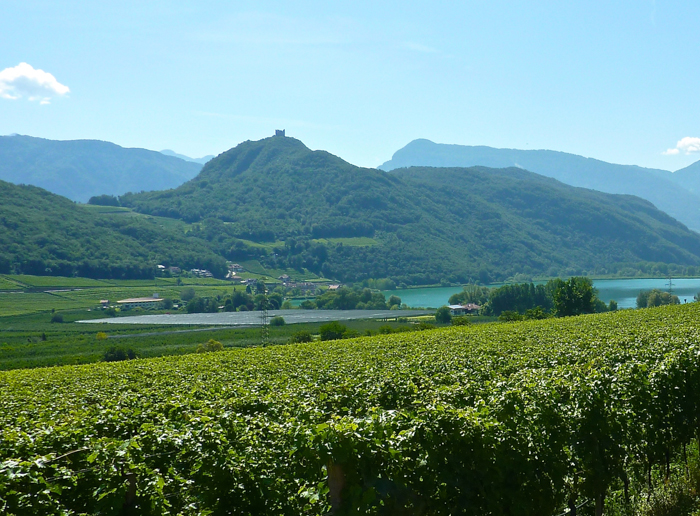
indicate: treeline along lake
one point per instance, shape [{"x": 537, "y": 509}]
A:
[{"x": 624, "y": 291}]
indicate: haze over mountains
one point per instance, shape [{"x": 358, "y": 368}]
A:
[
  {"x": 80, "y": 169},
  {"x": 678, "y": 194},
  {"x": 201, "y": 160}
]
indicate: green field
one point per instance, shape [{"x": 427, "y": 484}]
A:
[{"x": 596, "y": 411}]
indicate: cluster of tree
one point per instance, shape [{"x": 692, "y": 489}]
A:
[
  {"x": 117, "y": 354},
  {"x": 520, "y": 301},
  {"x": 656, "y": 297},
  {"x": 355, "y": 298}
]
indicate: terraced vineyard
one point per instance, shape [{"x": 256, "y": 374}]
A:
[{"x": 509, "y": 419}]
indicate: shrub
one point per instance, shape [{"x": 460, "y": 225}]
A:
[
  {"x": 115, "y": 354},
  {"x": 510, "y": 316},
  {"x": 332, "y": 331},
  {"x": 277, "y": 321},
  {"x": 56, "y": 318},
  {"x": 187, "y": 294},
  {"x": 301, "y": 336},
  {"x": 424, "y": 326},
  {"x": 210, "y": 346},
  {"x": 443, "y": 315},
  {"x": 101, "y": 335},
  {"x": 462, "y": 320}
]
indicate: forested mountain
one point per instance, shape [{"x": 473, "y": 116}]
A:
[
  {"x": 46, "y": 234},
  {"x": 688, "y": 177},
  {"x": 677, "y": 198},
  {"x": 418, "y": 225},
  {"x": 201, "y": 160},
  {"x": 80, "y": 169}
]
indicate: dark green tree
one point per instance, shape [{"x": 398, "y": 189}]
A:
[{"x": 575, "y": 296}]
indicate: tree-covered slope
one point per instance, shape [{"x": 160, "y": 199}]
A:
[
  {"x": 426, "y": 224},
  {"x": 46, "y": 234},
  {"x": 677, "y": 198},
  {"x": 80, "y": 169}
]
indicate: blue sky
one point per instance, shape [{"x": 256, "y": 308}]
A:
[{"x": 618, "y": 81}]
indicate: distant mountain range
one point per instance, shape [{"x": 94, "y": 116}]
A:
[
  {"x": 678, "y": 194},
  {"x": 277, "y": 201},
  {"x": 80, "y": 169},
  {"x": 201, "y": 161}
]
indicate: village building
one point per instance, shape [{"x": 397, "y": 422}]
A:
[
  {"x": 467, "y": 309},
  {"x": 148, "y": 303}
]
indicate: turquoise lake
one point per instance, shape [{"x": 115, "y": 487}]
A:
[{"x": 624, "y": 291}]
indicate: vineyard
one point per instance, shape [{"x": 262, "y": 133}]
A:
[{"x": 530, "y": 418}]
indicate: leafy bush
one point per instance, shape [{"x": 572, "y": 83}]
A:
[
  {"x": 115, "y": 354},
  {"x": 277, "y": 321},
  {"x": 332, "y": 331},
  {"x": 301, "y": 336},
  {"x": 187, "y": 294},
  {"x": 462, "y": 320},
  {"x": 443, "y": 315},
  {"x": 656, "y": 297},
  {"x": 101, "y": 335},
  {"x": 510, "y": 316},
  {"x": 56, "y": 318},
  {"x": 210, "y": 346}
]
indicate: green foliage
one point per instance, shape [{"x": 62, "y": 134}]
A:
[
  {"x": 277, "y": 321},
  {"x": 406, "y": 420},
  {"x": 536, "y": 313},
  {"x": 104, "y": 200},
  {"x": 461, "y": 320},
  {"x": 443, "y": 315},
  {"x": 117, "y": 354},
  {"x": 575, "y": 296},
  {"x": 57, "y": 318},
  {"x": 612, "y": 306},
  {"x": 520, "y": 298},
  {"x": 187, "y": 294},
  {"x": 656, "y": 297},
  {"x": 47, "y": 235},
  {"x": 210, "y": 346},
  {"x": 332, "y": 331},
  {"x": 301, "y": 336},
  {"x": 510, "y": 316},
  {"x": 471, "y": 294}
]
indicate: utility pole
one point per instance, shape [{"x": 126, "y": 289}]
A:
[
  {"x": 670, "y": 285},
  {"x": 264, "y": 323}
]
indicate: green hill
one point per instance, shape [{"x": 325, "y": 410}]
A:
[
  {"x": 46, "y": 234},
  {"x": 80, "y": 169},
  {"x": 425, "y": 225},
  {"x": 669, "y": 192}
]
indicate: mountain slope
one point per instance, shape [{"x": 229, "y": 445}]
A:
[
  {"x": 688, "y": 178},
  {"x": 201, "y": 160},
  {"x": 423, "y": 225},
  {"x": 656, "y": 186},
  {"x": 80, "y": 169},
  {"x": 46, "y": 234}
]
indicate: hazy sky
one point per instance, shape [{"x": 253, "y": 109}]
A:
[{"x": 618, "y": 81}]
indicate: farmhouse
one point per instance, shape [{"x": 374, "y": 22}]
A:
[{"x": 468, "y": 309}]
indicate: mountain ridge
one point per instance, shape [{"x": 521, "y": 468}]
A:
[
  {"x": 277, "y": 190},
  {"x": 655, "y": 185},
  {"x": 80, "y": 169}
]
